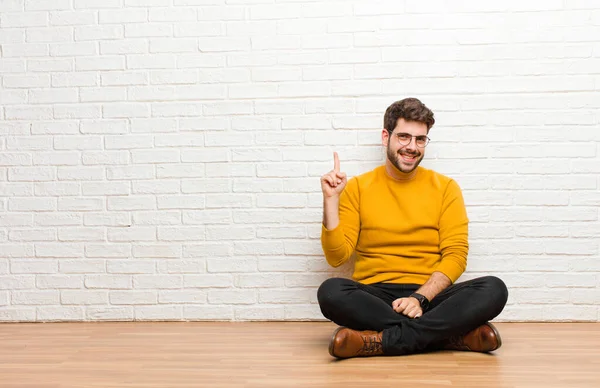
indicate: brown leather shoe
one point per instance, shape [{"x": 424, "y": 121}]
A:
[
  {"x": 485, "y": 338},
  {"x": 346, "y": 343}
]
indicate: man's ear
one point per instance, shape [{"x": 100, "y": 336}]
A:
[{"x": 385, "y": 137}]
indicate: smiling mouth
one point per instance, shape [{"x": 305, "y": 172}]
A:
[{"x": 408, "y": 158}]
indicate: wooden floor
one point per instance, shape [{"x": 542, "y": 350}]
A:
[{"x": 171, "y": 354}]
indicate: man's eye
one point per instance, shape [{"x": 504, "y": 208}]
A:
[
  {"x": 403, "y": 136},
  {"x": 420, "y": 139}
]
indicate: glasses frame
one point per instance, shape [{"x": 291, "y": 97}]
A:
[{"x": 397, "y": 135}]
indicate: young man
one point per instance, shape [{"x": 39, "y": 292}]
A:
[{"x": 409, "y": 228}]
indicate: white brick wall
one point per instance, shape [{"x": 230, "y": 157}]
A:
[{"x": 159, "y": 159}]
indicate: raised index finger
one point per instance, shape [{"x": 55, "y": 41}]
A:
[{"x": 336, "y": 162}]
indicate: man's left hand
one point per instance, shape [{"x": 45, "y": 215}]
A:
[{"x": 408, "y": 306}]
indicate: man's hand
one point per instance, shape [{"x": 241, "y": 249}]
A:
[
  {"x": 333, "y": 183},
  {"x": 408, "y": 306}
]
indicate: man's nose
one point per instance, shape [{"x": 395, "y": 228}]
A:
[{"x": 412, "y": 145}]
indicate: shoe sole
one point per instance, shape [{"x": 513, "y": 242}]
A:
[
  {"x": 497, "y": 334},
  {"x": 332, "y": 343}
]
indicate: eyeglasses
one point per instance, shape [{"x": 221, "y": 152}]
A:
[{"x": 405, "y": 139}]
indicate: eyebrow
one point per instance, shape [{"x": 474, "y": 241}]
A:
[{"x": 406, "y": 133}]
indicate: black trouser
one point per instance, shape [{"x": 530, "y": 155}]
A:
[{"x": 455, "y": 311}]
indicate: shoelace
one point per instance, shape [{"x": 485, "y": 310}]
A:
[{"x": 371, "y": 345}]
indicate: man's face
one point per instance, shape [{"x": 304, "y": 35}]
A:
[{"x": 403, "y": 150}]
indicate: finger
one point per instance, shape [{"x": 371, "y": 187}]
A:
[
  {"x": 336, "y": 162},
  {"x": 341, "y": 177},
  {"x": 412, "y": 312},
  {"x": 328, "y": 179},
  {"x": 334, "y": 178},
  {"x": 402, "y": 307}
]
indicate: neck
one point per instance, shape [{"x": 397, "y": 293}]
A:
[{"x": 396, "y": 174}]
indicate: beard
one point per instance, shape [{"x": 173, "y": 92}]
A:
[{"x": 395, "y": 157}]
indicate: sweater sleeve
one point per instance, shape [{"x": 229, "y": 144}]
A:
[
  {"x": 338, "y": 244},
  {"x": 454, "y": 230}
]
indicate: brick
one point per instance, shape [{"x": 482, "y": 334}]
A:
[
  {"x": 60, "y": 313},
  {"x": 158, "y": 187},
  {"x": 101, "y": 63},
  {"x": 33, "y": 266},
  {"x": 195, "y": 266},
  {"x": 159, "y": 251},
  {"x": 130, "y": 142},
  {"x": 81, "y": 234},
  {"x": 30, "y": 204},
  {"x": 74, "y": 79},
  {"x": 223, "y": 44},
  {"x": 181, "y": 202},
  {"x": 259, "y": 313},
  {"x": 110, "y": 313},
  {"x": 16, "y": 189},
  {"x": 108, "y": 250},
  {"x": 206, "y": 217},
  {"x": 107, "y": 219},
  {"x": 154, "y": 282},
  {"x": 304, "y": 313},
  {"x": 148, "y": 30},
  {"x": 281, "y": 264},
  {"x": 139, "y": 233},
  {"x": 152, "y": 93},
  {"x": 182, "y": 296},
  {"x": 131, "y": 297},
  {"x": 94, "y": 33},
  {"x": 189, "y": 170},
  {"x": 176, "y": 109},
  {"x": 130, "y": 172},
  {"x": 80, "y": 173},
  {"x": 23, "y": 19},
  {"x": 31, "y": 235},
  {"x": 122, "y": 16},
  {"x": 124, "y": 46},
  {"x": 79, "y": 111},
  {"x": 208, "y": 313},
  {"x": 130, "y": 266},
  {"x": 72, "y": 18},
  {"x": 125, "y": 110},
  {"x": 27, "y": 82},
  {"x": 124, "y": 78},
  {"x": 50, "y": 34},
  {"x": 109, "y": 281},
  {"x": 59, "y": 281},
  {"x": 101, "y": 126},
  {"x": 83, "y": 297},
  {"x": 79, "y": 266},
  {"x": 57, "y": 219},
  {"x": 17, "y": 314},
  {"x": 180, "y": 233},
  {"x": 231, "y": 265},
  {"x": 232, "y": 296},
  {"x": 14, "y": 97},
  {"x": 55, "y": 128},
  {"x": 153, "y": 313},
  {"x": 28, "y": 113},
  {"x": 22, "y": 143},
  {"x": 15, "y": 159}
]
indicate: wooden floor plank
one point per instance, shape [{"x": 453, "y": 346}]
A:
[{"x": 281, "y": 354}]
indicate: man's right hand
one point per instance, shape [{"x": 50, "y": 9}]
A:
[{"x": 334, "y": 182}]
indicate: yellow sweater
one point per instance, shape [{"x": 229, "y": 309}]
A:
[{"x": 401, "y": 231}]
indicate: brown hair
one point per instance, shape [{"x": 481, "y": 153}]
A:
[{"x": 409, "y": 109}]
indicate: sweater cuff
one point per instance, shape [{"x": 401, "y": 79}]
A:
[
  {"x": 333, "y": 239},
  {"x": 450, "y": 269}
]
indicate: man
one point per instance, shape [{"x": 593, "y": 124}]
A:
[{"x": 408, "y": 226}]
